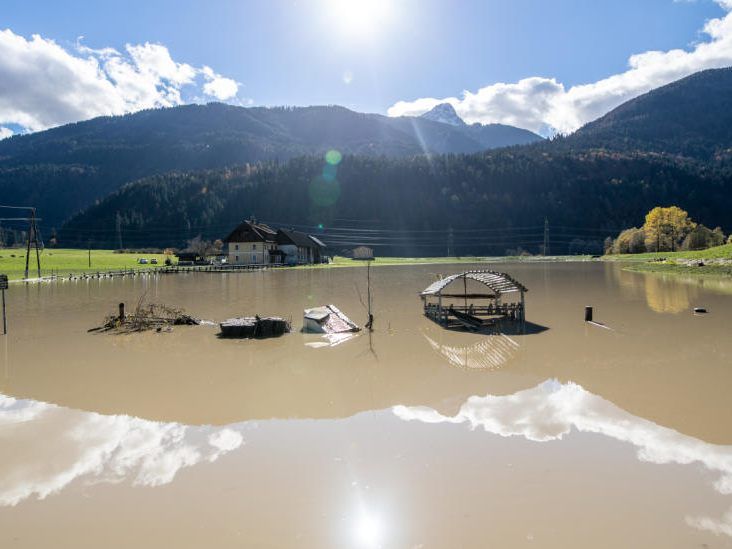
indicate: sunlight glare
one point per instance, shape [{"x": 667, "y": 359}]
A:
[
  {"x": 368, "y": 531},
  {"x": 360, "y": 17}
]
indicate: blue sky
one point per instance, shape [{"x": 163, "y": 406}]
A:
[{"x": 285, "y": 52}]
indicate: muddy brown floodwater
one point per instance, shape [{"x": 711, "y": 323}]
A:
[{"x": 569, "y": 435}]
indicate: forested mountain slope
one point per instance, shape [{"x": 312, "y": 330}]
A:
[
  {"x": 411, "y": 204},
  {"x": 691, "y": 117},
  {"x": 66, "y": 169}
]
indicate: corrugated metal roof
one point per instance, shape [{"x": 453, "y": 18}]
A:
[
  {"x": 319, "y": 242},
  {"x": 500, "y": 283}
]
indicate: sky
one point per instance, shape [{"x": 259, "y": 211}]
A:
[{"x": 545, "y": 65}]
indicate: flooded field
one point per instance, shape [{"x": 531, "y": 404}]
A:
[{"x": 569, "y": 435}]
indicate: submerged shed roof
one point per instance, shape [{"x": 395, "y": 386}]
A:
[{"x": 500, "y": 283}]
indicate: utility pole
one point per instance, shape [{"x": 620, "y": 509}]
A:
[
  {"x": 90, "y": 253},
  {"x": 27, "y": 252},
  {"x": 119, "y": 230},
  {"x": 35, "y": 240},
  {"x": 546, "y": 236},
  {"x": 32, "y": 236},
  {"x": 450, "y": 241}
]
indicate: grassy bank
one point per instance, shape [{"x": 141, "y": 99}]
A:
[
  {"x": 715, "y": 261},
  {"x": 65, "y": 261},
  {"x": 382, "y": 261},
  {"x": 71, "y": 261}
]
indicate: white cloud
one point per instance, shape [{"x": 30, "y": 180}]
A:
[
  {"x": 552, "y": 410},
  {"x": 43, "y": 84},
  {"x": 5, "y": 132},
  {"x": 544, "y": 105},
  {"x": 96, "y": 448},
  {"x": 218, "y": 86}
]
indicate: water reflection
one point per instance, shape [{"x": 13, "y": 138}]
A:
[
  {"x": 552, "y": 409},
  {"x": 663, "y": 294},
  {"x": 671, "y": 294},
  {"x": 46, "y": 447},
  {"x": 491, "y": 352}
]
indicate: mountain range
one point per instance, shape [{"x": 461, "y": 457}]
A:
[
  {"x": 201, "y": 169},
  {"x": 66, "y": 169},
  {"x": 690, "y": 118}
]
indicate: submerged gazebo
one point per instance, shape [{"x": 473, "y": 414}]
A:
[{"x": 504, "y": 300}]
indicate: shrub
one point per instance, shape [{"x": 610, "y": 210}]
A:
[
  {"x": 701, "y": 238},
  {"x": 630, "y": 241}
]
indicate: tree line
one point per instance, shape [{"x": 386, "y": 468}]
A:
[
  {"x": 666, "y": 229},
  {"x": 489, "y": 202}
]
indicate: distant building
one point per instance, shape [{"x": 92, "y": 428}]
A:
[
  {"x": 320, "y": 257},
  {"x": 252, "y": 243},
  {"x": 363, "y": 252},
  {"x": 299, "y": 248},
  {"x": 190, "y": 258}
]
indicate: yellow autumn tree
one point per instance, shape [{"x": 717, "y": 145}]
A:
[{"x": 666, "y": 228}]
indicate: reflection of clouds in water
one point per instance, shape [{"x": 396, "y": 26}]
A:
[
  {"x": 722, "y": 526},
  {"x": 490, "y": 353},
  {"x": 551, "y": 410},
  {"x": 101, "y": 448}
]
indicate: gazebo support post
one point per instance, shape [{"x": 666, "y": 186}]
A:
[{"x": 523, "y": 308}]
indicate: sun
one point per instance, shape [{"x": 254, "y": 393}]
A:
[{"x": 360, "y": 18}]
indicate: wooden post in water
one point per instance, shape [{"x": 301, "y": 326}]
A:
[
  {"x": 5, "y": 321},
  {"x": 588, "y": 313},
  {"x": 121, "y": 312},
  {"x": 3, "y": 287},
  {"x": 370, "y": 323}
]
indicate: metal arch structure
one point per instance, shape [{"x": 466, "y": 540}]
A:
[
  {"x": 500, "y": 283},
  {"x": 471, "y": 315}
]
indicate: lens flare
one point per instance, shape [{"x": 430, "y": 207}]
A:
[
  {"x": 330, "y": 172},
  {"x": 333, "y": 157},
  {"x": 324, "y": 192}
]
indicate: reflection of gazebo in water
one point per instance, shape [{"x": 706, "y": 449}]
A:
[
  {"x": 475, "y": 309},
  {"x": 490, "y": 353}
]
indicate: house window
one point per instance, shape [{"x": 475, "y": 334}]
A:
[
  {"x": 237, "y": 259},
  {"x": 236, "y": 247},
  {"x": 254, "y": 258},
  {"x": 254, "y": 246}
]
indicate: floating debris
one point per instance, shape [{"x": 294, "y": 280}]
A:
[
  {"x": 327, "y": 319},
  {"x": 254, "y": 327},
  {"x": 699, "y": 310},
  {"x": 151, "y": 316}
]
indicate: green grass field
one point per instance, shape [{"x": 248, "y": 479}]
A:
[
  {"x": 668, "y": 262},
  {"x": 718, "y": 252},
  {"x": 65, "y": 261},
  {"x": 382, "y": 261},
  {"x": 69, "y": 261}
]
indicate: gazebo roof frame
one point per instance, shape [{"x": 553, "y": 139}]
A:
[{"x": 499, "y": 283}]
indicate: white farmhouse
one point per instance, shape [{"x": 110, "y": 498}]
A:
[{"x": 252, "y": 243}]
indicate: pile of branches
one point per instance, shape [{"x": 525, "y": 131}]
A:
[{"x": 147, "y": 316}]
